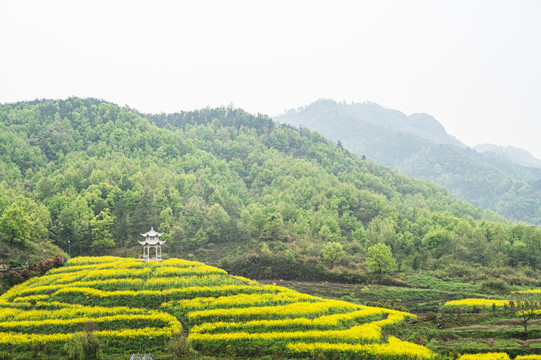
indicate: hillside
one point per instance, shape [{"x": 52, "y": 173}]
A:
[
  {"x": 129, "y": 306},
  {"x": 503, "y": 181},
  {"x": 238, "y": 190}
]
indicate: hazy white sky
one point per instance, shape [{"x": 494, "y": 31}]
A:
[{"x": 473, "y": 65}]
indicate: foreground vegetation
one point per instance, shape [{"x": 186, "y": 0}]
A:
[
  {"x": 126, "y": 306},
  {"x": 120, "y": 306}
]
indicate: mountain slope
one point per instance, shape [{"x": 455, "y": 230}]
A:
[
  {"x": 419, "y": 146},
  {"x": 228, "y": 187},
  {"x": 469, "y": 176}
]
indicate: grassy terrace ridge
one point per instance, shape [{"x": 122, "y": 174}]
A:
[{"x": 137, "y": 306}]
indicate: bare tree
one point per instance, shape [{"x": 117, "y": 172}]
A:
[{"x": 527, "y": 306}]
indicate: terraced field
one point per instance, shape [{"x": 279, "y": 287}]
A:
[
  {"x": 137, "y": 307},
  {"x": 498, "y": 329}
]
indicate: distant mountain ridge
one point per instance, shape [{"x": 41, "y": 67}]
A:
[
  {"x": 514, "y": 154},
  {"x": 422, "y": 125},
  {"x": 419, "y": 146},
  {"x": 390, "y": 136}
]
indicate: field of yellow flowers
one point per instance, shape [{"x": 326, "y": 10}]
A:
[{"x": 137, "y": 306}]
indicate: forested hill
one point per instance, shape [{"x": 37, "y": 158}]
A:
[
  {"x": 419, "y": 146},
  {"x": 229, "y": 188}
]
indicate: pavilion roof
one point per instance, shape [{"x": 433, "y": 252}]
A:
[{"x": 152, "y": 233}]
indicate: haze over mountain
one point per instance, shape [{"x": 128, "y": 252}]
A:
[{"x": 419, "y": 146}]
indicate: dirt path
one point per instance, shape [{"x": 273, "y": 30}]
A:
[
  {"x": 490, "y": 341},
  {"x": 185, "y": 331},
  {"x": 481, "y": 327},
  {"x": 489, "y": 327},
  {"x": 517, "y": 321}
]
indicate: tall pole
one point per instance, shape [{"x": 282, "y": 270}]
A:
[{"x": 69, "y": 249}]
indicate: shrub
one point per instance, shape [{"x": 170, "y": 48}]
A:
[
  {"x": 91, "y": 347},
  {"x": 35, "y": 350},
  {"x": 45, "y": 266},
  {"x": 74, "y": 348},
  {"x": 374, "y": 303},
  {"x": 495, "y": 286},
  {"x": 179, "y": 346},
  {"x": 48, "y": 348},
  {"x": 15, "y": 278},
  {"x": 25, "y": 273},
  {"x": 58, "y": 261},
  {"x": 89, "y": 327},
  {"x": 83, "y": 346},
  {"x": 230, "y": 351},
  {"x": 431, "y": 316}
]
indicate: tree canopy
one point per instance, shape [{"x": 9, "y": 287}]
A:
[{"x": 380, "y": 259}]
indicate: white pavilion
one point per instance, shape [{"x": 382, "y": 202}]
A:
[{"x": 152, "y": 240}]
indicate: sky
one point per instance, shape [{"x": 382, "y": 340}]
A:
[{"x": 474, "y": 65}]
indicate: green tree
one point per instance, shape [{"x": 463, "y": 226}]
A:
[
  {"x": 15, "y": 225},
  {"x": 39, "y": 217},
  {"x": 381, "y": 230},
  {"x": 74, "y": 224},
  {"x": 100, "y": 228},
  {"x": 359, "y": 234},
  {"x": 248, "y": 224},
  {"x": 275, "y": 225},
  {"x": 167, "y": 219},
  {"x": 380, "y": 258},
  {"x": 200, "y": 238},
  {"x": 439, "y": 242},
  {"x": 217, "y": 221},
  {"x": 332, "y": 253},
  {"x": 325, "y": 233}
]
